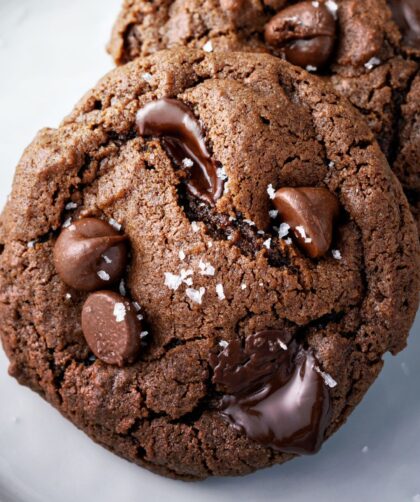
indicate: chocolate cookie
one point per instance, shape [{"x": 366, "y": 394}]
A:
[
  {"x": 367, "y": 49},
  {"x": 204, "y": 265}
]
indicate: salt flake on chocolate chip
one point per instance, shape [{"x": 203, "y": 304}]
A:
[
  {"x": 196, "y": 295},
  {"x": 302, "y": 232},
  {"x": 223, "y": 344},
  {"x": 103, "y": 275},
  {"x": 115, "y": 224},
  {"x": 271, "y": 192},
  {"x": 332, "y": 7},
  {"x": 284, "y": 230},
  {"x": 119, "y": 312},
  {"x": 328, "y": 379},
  {"x": 122, "y": 288},
  {"x": 273, "y": 213},
  {"x": 187, "y": 163},
  {"x": 71, "y": 205},
  {"x": 220, "y": 291},
  {"x": 311, "y": 68},
  {"x": 67, "y": 223}
]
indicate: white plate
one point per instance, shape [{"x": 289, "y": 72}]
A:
[{"x": 51, "y": 52}]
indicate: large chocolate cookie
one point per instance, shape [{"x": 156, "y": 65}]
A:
[
  {"x": 369, "y": 52},
  {"x": 204, "y": 265}
]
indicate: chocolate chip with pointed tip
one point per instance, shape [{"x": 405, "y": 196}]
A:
[
  {"x": 111, "y": 328},
  {"x": 90, "y": 254},
  {"x": 310, "y": 213},
  {"x": 304, "y": 33}
]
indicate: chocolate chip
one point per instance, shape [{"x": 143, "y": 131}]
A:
[
  {"x": 407, "y": 16},
  {"x": 304, "y": 33},
  {"x": 184, "y": 141},
  {"x": 111, "y": 328},
  {"x": 90, "y": 254},
  {"x": 310, "y": 213},
  {"x": 273, "y": 392}
]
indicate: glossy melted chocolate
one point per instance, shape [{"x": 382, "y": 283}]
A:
[
  {"x": 273, "y": 392},
  {"x": 184, "y": 141}
]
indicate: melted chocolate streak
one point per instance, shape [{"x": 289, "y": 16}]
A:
[{"x": 184, "y": 141}]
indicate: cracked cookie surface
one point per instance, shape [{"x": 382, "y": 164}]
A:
[
  {"x": 371, "y": 62},
  {"x": 268, "y": 124}
]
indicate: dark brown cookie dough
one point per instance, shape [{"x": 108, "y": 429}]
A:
[
  {"x": 205, "y": 276},
  {"x": 370, "y": 54}
]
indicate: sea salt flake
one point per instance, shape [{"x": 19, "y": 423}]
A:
[
  {"x": 194, "y": 226},
  {"x": 223, "y": 344},
  {"x": 115, "y": 224},
  {"x": 221, "y": 173},
  {"x": 122, "y": 288},
  {"x": 172, "y": 281},
  {"x": 208, "y": 47},
  {"x": 267, "y": 243},
  {"x": 67, "y": 296},
  {"x": 372, "y": 63},
  {"x": 67, "y": 223},
  {"x": 260, "y": 232},
  {"x": 187, "y": 162},
  {"x": 31, "y": 244},
  {"x": 103, "y": 275},
  {"x": 281, "y": 344},
  {"x": 188, "y": 281},
  {"x": 284, "y": 230},
  {"x": 120, "y": 312},
  {"x": 328, "y": 379},
  {"x": 332, "y": 7},
  {"x": 271, "y": 192},
  {"x": 288, "y": 241},
  {"x": 139, "y": 317},
  {"x": 309, "y": 67},
  {"x": 71, "y": 205},
  {"x": 249, "y": 222},
  {"x": 196, "y": 295},
  {"x": 243, "y": 286},
  {"x": 107, "y": 260},
  {"x": 331, "y": 164},
  {"x": 220, "y": 291},
  {"x": 365, "y": 449},
  {"x": 137, "y": 306},
  {"x": 143, "y": 334},
  {"x": 147, "y": 77},
  {"x": 181, "y": 255},
  {"x": 206, "y": 268},
  {"x": 302, "y": 232},
  {"x": 336, "y": 254},
  {"x": 315, "y": 4},
  {"x": 273, "y": 213}
]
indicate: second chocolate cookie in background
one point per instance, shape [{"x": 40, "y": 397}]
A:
[{"x": 369, "y": 50}]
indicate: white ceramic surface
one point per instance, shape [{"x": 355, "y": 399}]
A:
[{"x": 51, "y": 52}]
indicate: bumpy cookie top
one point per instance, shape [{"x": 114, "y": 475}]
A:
[
  {"x": 369, "y": 50},
  {"x": 204, "y": 239}
]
